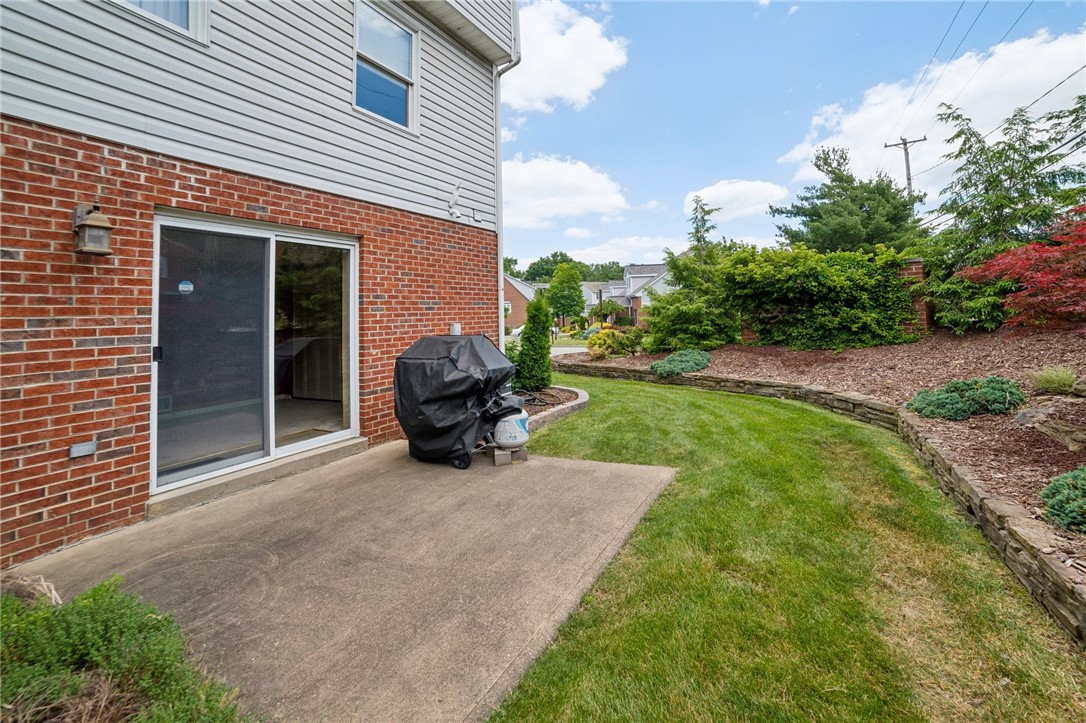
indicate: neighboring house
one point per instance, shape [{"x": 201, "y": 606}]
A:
[
  {"x": 631, "y": 291},
  {"x": 297, "y": 192},
  {"x": 517, "y": 295}
]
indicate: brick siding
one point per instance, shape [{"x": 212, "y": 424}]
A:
[{"x": 76, "y": 329}]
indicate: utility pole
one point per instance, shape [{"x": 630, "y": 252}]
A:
[{"x": 905, "y": 147}]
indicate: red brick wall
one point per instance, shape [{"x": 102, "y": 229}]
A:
[
  {"x": 913, "y": 269},
  {"x": 518, "y": 313},
  {"x": 76, "y": 329}
]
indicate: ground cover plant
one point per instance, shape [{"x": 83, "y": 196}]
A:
[
  {"x": 1066, "y": 499},
  {"x": 799, "y": 567},
  {"x": 103, "y": 656},
  {"x": 681, "y": 362},
  {"x": 962, "y": 399}
]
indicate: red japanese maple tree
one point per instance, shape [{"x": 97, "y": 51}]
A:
[{"x": 1051, "y": 277}]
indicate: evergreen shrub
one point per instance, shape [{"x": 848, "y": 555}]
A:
[
  {"x": 960, "y": 400},
  {"x": 534, "y": 356},
  {"x": 687, "y": 360},
  {"x": 1065, "y": 497}
]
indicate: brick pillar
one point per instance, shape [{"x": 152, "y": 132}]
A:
[{"x": 913, "y": 271}]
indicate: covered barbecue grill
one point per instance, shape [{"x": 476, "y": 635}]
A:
[{"x": 448, "y": 396}]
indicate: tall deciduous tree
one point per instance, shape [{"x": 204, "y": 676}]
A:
[
  {"x": 509, "y": 266},
  {"x": 1004, "y": 194},
  {"x": 847, "y": 214},
  {"x": 1008, "y": 192},
  {"x": 564, "y": 294},
  {"x": 542, "y": 269}
]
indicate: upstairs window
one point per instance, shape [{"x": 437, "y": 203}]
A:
[
  {"x": 385, "y": 66},
  {"x": 189, "y": 16}
]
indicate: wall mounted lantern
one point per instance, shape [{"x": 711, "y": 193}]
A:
[{"x": 92, "y": 229}]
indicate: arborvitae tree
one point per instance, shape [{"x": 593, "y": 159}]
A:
[{"x": 534, "y": 357}]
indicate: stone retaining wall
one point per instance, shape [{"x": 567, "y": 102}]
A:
[{"x": 1027, "y": 546}]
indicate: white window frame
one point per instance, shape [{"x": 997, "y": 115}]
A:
[
  {"x": 199, "y": 28},
  {"x": 412, "y": 83},
  {"x": 267, "y": 233}
]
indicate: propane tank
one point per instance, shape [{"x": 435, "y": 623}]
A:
[{"x": 512, "y": 432}]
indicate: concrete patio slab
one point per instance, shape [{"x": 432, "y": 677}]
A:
[{"x": 377, "y": 587}]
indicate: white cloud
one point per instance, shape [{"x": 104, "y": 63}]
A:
[
  {"x": 736, "y": 198},
  {"x": 630, "y": 250},
  {"x": 508, "y": 135},
  {"x": 576, "y": 232},
  {"x": 653, "y": 205},
  {"x": 1015, "y": 75},
  {"x": 544, "y": 188},
  {"x": 567, "y": 57},
  {"x": 764, "y": 3},
  {"x": 793, "y": 10}
]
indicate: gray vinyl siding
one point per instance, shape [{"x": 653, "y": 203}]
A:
[
  {"x": 494, "y": 17},
  {"x": 271, "y": 94}
]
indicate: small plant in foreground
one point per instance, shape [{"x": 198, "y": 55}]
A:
[
  {"x": 1053, "y": 379},
  {"x": 105, "y": 648},
  {"x": 1065, "y": 497},
  {"x": 963, "y": 399},
  {"x": 687, "y": 360}
]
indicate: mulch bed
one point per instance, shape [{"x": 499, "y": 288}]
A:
[
  {"x": 1013, "y": 463},
  {"x": 548, "y": 398}
]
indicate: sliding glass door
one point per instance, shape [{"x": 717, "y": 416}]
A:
[{"x": 252, "y": 349}]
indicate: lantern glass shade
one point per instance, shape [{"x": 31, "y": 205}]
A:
[{"x": 93, "y": 231}]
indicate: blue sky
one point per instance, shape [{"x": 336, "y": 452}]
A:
[{"x": 621, "y": 111}]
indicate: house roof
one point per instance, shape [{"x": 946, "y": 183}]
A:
[
  {"x": 645, "y": 269},
  {"x": 526, "y": 289}
]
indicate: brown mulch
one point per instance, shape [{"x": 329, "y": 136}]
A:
[
  {"x": 548, "y": 398},
  {"x": 1013, "y": 463}
]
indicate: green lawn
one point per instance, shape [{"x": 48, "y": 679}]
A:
[
  {"x": 800, "y": 567},
  {"x": 564, "y": 340}
]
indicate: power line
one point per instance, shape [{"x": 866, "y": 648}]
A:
[
  {"x": 986, "y": 57},
  {"x": 1054, "y": 161},
  {"x": 1035, "y": 101},
  {"x": 925, "y": 71},
  {"x": 953, "y": 56}
]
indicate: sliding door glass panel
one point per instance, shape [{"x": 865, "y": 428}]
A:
[
  {"x": 212, "y": 349},
  {"x": 311, "y": 365}
]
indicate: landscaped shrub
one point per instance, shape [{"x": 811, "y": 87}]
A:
[
  {"x": 1048, "y": 278},
  {"x": 806, "y": 300},
  {"x": 963, "y": 399},
  {"x": 1065, "y": 497},
  {"x": 613, "y": 342},
  {"x": 1053, "y": 379},
  {"x": 103, "y": 640},
  {"x": 687, "y": 360},
  {"x": 534, "y": 357}
]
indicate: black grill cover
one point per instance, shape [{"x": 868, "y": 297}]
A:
[{"x": 442, "y": 385}]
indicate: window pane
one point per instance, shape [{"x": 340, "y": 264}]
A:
[
  {"x": 382, "y": 40},
  {"x": 172, "y": 11},
  {"x": 380, "y": 93}
]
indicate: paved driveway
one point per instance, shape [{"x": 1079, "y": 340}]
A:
[{"x": 377, "y": 587}]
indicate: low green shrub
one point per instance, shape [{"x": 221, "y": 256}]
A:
[
  {"x": 1065, "y": 497},
  {"x": 51, "y": 655},
  {"x": 615, "y": 342},
  {"x": 1052, "y": 379},
  {"x": 687, "y": 360},
  {"x": 963, "y": 399}
]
